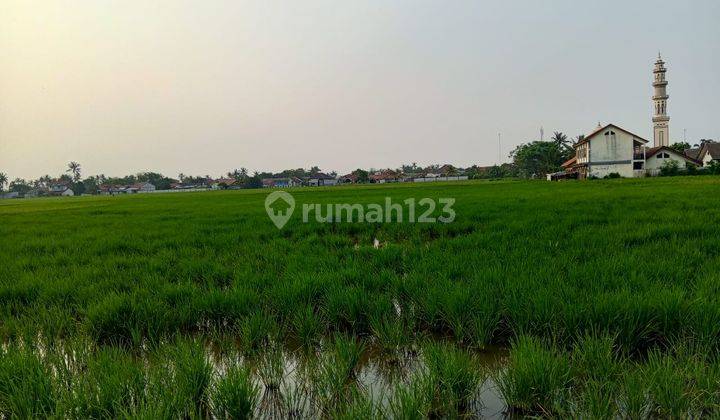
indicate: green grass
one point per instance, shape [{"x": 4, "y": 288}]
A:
[{"x": 596, "y": 278}]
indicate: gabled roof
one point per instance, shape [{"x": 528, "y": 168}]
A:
[
  {"x": 600, "y": 129},
  {"x": 713, "y": 149},
  {"x": 652, "y": 151}
]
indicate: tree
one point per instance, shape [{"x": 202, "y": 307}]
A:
[
  {"x": 19, "y": 185},
  {"x": 74, "y": 168},
  {"x": 3, "y": 181},
  {"x": 254, "y": 181},
  {"x": 362, "y": 176},
  {"x": 703, "y": 142},
  {"x": 539, "y": 158},
  {"x": 680, "y": 147},
  {"x": 561, "y": 140}
]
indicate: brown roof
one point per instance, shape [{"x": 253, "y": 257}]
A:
[
  {"x": 710, "y": 148},
  {"x": 693, "y": 153},
  {"x": 569, "y": 162},
  {"x": 599, "y": 129}
]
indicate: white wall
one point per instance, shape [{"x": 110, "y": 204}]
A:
[
  {"x": 655, "y": 163},
  {"x": 707, "y": 159},
  {"x": 611, "y": 154},
  {"x": 624, "y": 169},
  {"x": 608, "y": 149}
]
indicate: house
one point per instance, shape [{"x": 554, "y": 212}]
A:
[
  {"x": 709, "y": 152},
  {"x": 321, "y": 179},
  {"x": 281, "y": 182},
  {"x": 61, "y": 190},
  {"x": 351, "y": 178},
  {"x": 225, "y": 183},
  {"x": 609, "y": 149},
  {"x": 11, "y": 194},
  {"x": 140, "y": 187},
  {"x": 382, "y": 177},
  {"x": 656, "y": 157}
]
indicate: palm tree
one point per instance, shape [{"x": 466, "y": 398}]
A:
[
  {"x": 74, "y": 168},
  {"x": 3, "y": 180},
  {"x": 561, "y": 140}
]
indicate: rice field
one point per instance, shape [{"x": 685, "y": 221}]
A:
[{"x": 582, "y": 299}]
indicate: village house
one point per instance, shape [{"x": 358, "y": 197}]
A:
[
  {"x": 350, "y": 178},
  {"x": 62, "y": 190},
  {"x": 225, "y": 183},
  {"x": 656, "y": 157},
  {"x": 321, "y": 179},
  {"x": 281, "y": 182},
  {"x": 387, "y": 175},
  {"x": 140, "y": 187},
  {"x": 709, "y": 153}
]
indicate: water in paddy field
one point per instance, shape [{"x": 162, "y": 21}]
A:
[{"x": 289, "y": 388}]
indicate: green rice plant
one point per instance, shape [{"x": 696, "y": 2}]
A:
[
  {"x": 188, "y": 392},
  {"x": 271, "y": 368},
  {"x": 390, "y": 334},
  {"x": 335, "y": 378},
  {"x": 359, "y": 407},
  {"x": 307, "y": 327},
  {"x": 26, "y": 385},
  {"x": 535, "y": 377},
  {"x": 667, "y": 386},
  {"x": 634, "y": 400},
  {"x": 453, "y": 375},
  {"x": 598, "y": 400},
  {"x": 235, "y": 395},
  {"x": 594, "y": 358},
  {"x": 258, "y": 331},
  {"x": 104, "y": 384},
  {"x": 412, "y": 401}
]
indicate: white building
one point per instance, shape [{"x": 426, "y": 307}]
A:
[
  {"x": 656, "y": 157},
  {"x": 61, "y": 190},
  {"x": 607, "y": 150}
]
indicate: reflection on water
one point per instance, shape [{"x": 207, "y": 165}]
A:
[{"x": 288, "y": 379}]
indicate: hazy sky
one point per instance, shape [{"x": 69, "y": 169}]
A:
[{"x": 202, "y": 87}]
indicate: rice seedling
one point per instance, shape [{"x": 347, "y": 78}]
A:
[
  {"x": 308, "y": 327},
  {"x": 235, "y": 395},
  {"x": 271, "y": 368},
  {"x": 412, "y": 401},
  {"x": 453, "y": 377},
  {"x": 334, "y": 381},
  {"x": 86, "y": 297},
  {"x": 668, "y": 392},
  {"x": 535, "y": 379},
  {"x": 26, "y": 385}
]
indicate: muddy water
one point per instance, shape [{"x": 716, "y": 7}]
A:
[{"x": 285, "y": 380}]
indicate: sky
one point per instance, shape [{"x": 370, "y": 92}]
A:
[{"x": 204, "y": 87}]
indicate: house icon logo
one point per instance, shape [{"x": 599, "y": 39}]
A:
[{"x": 279, "y": 205}]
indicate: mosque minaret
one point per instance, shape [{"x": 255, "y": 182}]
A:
[{"x": 661, "y": 121}]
